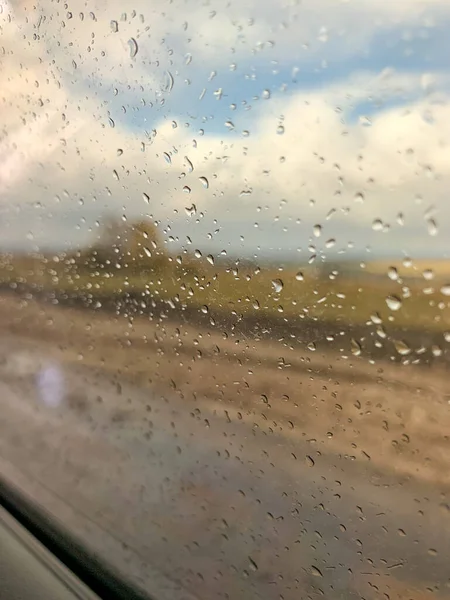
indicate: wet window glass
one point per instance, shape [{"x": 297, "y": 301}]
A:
[{"x": 225, "y": 287}]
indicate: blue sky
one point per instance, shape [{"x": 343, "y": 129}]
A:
[{"x": 313, "y": 105}]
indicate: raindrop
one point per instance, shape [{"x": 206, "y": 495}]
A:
[
  {"x": 169, "y": 81},
  {"x": 310, "y": 461},
  {"x": 330, "y": 243},
  {"x": 253, "y": 565},
  {"x": 432, "y": 227},
  {"x": 311, "y": 346},
  {"x": 445, "y": 289},
  {"x": 210, "y": 259},
  {"x": 394, "y": 303},
  {"x": 186, "y": 189},
  {"x": 316, "y": 572},
  {"x": 204, "y": 182},
  {"x": 280, "y": 129},
  {"x": 167, "y": 158},
  {"x": 317, "y": 230},
  {"x": 116, "y": 175},
  {"x": 146, "y": 197},
  {"x": 393, "y": 274},
  {"x": 402, "y": 347},
  {"x": 191, "y": 210},
  {"x": 111, "y": 122},
  {"x": 189, "y": 164},
  {"x": 377, "y": 225},
  {"x": 299, "y": 276},
  {"x": 197, "y": 254},
  {"x": 114, "y": 26},
  {"x": 132, "y": 43},
  {"x": 277, "y": 285},
  {"x": 356, "y": 347},
  {"x": 266, "y": 94},
  {"x": 359, "y": 197}
]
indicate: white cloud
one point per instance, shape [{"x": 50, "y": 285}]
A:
[{"x": 59, "y": 140}]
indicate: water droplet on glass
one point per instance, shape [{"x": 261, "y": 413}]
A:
[
  {"x": 169, "y": 81},
  {"x": 266, "y": 94},
  {"x": 114, "y": 26},
  {"x": 191, "y": 210},
  {"x": 132, "y": 43},
  {"x": 280, "y": 129},
  {"x": 445, "y": 289},
  {"x": 393, "y": 302},
  {"x": 317, "y": 230},
  {"x": 167, "y": 158},
  {"x": 316, "y": 572},
  {"x": 204, "y": 182},
  {"x": 189, "y": 164},
  {"x": 432, "y": 227},
  {"x": 393, "y": 273},
  {"x": 299, "y": 276},
  {"x": 197, "y": 254},
  {"x": 311, "y": 346},
  {"x": 356, "y": 347},
  {"x": 277, "y": 285},
  {"x": 111, "y": 122},
  {"x": 402, "y": 347},
  {"x": 377, "y": 225},
  {"x": 253, "y": 565},
  {"x": 186, "y": 189},
  {"x": 330, "y": 243},
  {"x": 309, "y": 461}
]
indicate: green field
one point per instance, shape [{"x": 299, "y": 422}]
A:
[{"x": 348, "y": 297}]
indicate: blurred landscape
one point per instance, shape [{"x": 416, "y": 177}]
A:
[
  {"x": 395, "y": 309},
  {"x": 189, "y": 395}
]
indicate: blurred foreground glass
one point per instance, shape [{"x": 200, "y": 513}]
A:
[{"x": 225, "y": 287}]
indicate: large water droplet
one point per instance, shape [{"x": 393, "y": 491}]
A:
[
  {"x": 168, "y": 81},
  {"x": 299, "y": 276},
  {"x": 432, "y": 227},
  {"x": 356, "y": 347},
  {"x": 393, "y": 273},
  {"x": 316, "y": 572},
  {"x": 191, "y": 210},
  {"x": 393, "y": 302},
  {"x": 277, "y": 285},
  {"x": 204, "y": 182},
  {"x": 445, "y": 289},
  {"x": 317, "y": 230},
  {"x": 402, "y": 347},
  {"x": 133, "y": 45}
]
